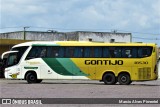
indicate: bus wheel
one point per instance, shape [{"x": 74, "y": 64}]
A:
[
  {"x": 109, "y": 79},
  {"x": 124, "y": 79},
  {"x": 31, "y": 78},
  {"x": 39, "y": 81}
]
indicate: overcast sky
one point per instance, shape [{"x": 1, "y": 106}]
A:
[{"x": 139, "y": 17}]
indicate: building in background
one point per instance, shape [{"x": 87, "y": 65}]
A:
[{"x": 7, "y": 40}]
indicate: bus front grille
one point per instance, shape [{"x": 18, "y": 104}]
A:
[{"x": 144, "y": 73}]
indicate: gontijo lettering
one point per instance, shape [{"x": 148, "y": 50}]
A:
[{"x": 103, "y": 62}]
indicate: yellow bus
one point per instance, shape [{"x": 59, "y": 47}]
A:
[{"x": 107, "y": 62}]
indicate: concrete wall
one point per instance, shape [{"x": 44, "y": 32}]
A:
[
  {"x": 12, "y": 35},
  {"x": 45, "y": 36},
  {"x": 68, "y": 36},
  {"x": 104, "y": 37}
]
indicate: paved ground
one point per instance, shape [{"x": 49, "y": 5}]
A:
[{"x": 78, "y": 89}]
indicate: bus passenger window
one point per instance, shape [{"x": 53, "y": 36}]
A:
[
  {"x": 37, "y": 52},
  {"x": 69, "y": 52},
  {"x": 55, "y": 53},
  {"x": 49, "y": 51},
  {"x": 61, "y": 52},
  {"x": 144, "y": 52},
  {"x": 78, "y": 52},
  {"x": 147, "y": 52},
  {"x": 32, "y": 53},
  {"x": 117, "y": 52},
  {"x": 97, "y": 52},
  {"x": 105, "y": 52},
  {"x": 127, "y": 53},
  {"x": 134, "y": 52},
  {"x": 52, "y": 52},
  {"x": 111, "y": 52},
  {"x": 87, "y": 51},
  {"x": 43, "y": 52}
]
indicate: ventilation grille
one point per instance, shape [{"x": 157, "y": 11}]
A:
[{"x": 144, "y": 73}]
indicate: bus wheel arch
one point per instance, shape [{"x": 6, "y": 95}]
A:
[
  {"x": 124, "y": 78},
  {"x": 31, "y": 77},
  {"x": 109, "y": 78}
]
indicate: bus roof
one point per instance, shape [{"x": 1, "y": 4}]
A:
[{"x": 80, "y": 43}]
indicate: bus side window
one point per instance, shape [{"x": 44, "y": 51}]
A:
[
  {"x": 112, "y": 52},
  {"x": 87, "y": 51},
  {"x": 37, "y": 52},
  {"x": 78, "y": 52},
  {"x": 117, "y": 52},
  {"x": 127, "y": 52},
  {"x": 69, "y": 52},
  {"x": 42, "y": 52},
  {"x": 140, "y": 53},
  {"x": 61, "y": 52},
  {"x": 52, "y": 52},
  {"x": 134, "y": 52},
  {"x": 105, "y": 52},
  {"x": 97, "y": 52},
  {"x": 147, "y": 51},
  {"x": 49, "y": 51},
  {"x": 144, "y": 52},
  {"x": 33, "y": 53}
]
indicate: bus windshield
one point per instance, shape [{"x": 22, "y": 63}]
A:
[
  {"x": 12, "y": 59},
  {"x": 15, "y": 57}
]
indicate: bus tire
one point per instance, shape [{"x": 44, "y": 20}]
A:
[
  {"x": 109, "y": 79},
  {"x": 31, "y": 78},
  {"x": 124, "y": 79},
  {"x": 39, "y": 81}
]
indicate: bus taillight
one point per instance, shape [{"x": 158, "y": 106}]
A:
[{"x": 155, "y": 69}]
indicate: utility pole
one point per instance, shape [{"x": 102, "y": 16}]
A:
[
  {"x": 24, "y": 32},
  {"x": 114, "y": 31}
]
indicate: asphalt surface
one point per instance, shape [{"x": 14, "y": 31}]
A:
[{"x": 79, "y": 89}]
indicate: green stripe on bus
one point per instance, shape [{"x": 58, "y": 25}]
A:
[
  {"x": 30, "y": 67},
  {"x": 63, "y": 66},
  {"x": 71, "y": 67}
]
